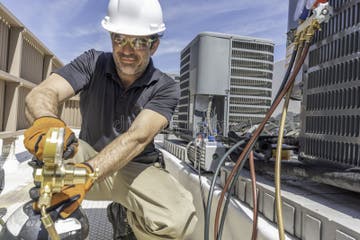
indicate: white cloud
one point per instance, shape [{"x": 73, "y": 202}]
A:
[
  {"x": 170, "y": 46},
  {"x": 83, "y": 31},
  {"x": 274, "y": 29},
  {"x": 58, "y": 17},
  {"x": 100, "y": 42},
  {"x": 178, "y": 9}
]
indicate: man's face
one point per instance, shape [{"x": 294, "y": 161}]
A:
[{"x": 132, "y": 54}]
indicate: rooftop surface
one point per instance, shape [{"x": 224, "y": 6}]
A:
[{"x": 311, "y": 209}]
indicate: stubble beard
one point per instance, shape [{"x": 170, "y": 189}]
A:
[{"x": 131, "y": 68}]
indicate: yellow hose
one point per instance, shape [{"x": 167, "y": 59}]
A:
[
  {"x": 278, "y": 200},
  {"x": 278, "y": 168},
  {"x": 49, "y": 224}
]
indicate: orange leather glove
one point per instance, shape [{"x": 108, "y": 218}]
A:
[
  {"x": 70, "y": 197},
  {"x": 34, "y": 137}
]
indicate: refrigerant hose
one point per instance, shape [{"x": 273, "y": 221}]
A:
[
  {"x": 277, "y": 174},
  {"x": 254, "y": 137}
]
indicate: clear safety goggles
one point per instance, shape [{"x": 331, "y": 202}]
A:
[{"x": 137, "y": 43}]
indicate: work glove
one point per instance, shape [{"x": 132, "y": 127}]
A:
[
  {"x": 69, "y": 198},
  {"x": 35, "y": 137}
]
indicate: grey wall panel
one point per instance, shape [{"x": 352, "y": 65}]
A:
[
  {"x": 213, "y": 67},
  {"x": 10, "y": 106},
  {"x": 71, "y": 113},
  {"x": 21, "y": 119},
  {"x": 2, "y": 103},
  {"x": 54, "y": 67},
  {"x": 4, "y": 41},
  {"x": 194, "y": 65},
  {"x": 31, "y": 63}
]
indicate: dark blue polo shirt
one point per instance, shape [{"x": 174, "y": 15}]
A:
[{"x": 107, "y": 108}]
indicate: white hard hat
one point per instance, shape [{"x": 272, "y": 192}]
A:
[{"x": 134, "y": 17}]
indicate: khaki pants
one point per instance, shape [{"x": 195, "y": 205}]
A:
[{"x": 158, "y": 206}]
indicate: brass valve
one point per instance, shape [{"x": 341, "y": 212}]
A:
[
  {"x": 307, "y": 29},
  {"x": 54, "y": 174}
]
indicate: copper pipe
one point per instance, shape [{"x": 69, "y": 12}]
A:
[{"x": 254, "y": 194}]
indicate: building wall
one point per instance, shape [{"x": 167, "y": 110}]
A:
[
  {"x": 71, "y": 113},
  {"x": 4, "y": 41},
  {"x": 24, "y": 63},
  {"x": 32, "y": 61}
]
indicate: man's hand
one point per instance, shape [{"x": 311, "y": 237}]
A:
[
  {"x": 34, "y": 137},
  {"x": 70, "y": 197}
]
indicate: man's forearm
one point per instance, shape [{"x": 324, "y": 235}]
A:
[
  {"x": 118, "y": 153},
  {"x": 45, "y": 99},
  {"x": 129, "y": 144},
  {"x": 41, "y": 102}
]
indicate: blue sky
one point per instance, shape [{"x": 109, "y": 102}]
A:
[{"x": 69, "y": 27}]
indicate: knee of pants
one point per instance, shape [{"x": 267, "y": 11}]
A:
[
  {"x": 169, "y": 224},
  {"x": 181, "y": 225}
]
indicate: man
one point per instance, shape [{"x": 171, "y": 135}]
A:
[{"x": 124, "y": 101}]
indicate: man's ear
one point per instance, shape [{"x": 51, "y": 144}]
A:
[{"x": 154, "y": 46}]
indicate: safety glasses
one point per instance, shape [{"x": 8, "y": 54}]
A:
[{"x": 137, "y": 43}]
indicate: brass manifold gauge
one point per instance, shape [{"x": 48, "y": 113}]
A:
[{"x": 54, "y": 175}]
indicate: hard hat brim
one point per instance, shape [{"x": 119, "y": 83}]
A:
[{"x": 131, "y": 30}]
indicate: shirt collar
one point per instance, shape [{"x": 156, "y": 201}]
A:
[{"x": 144, "y": 80}]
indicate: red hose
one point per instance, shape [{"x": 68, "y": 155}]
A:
[{"x": 256, "y": 134}]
